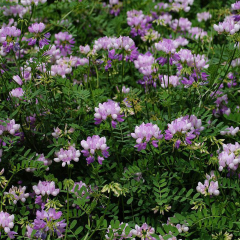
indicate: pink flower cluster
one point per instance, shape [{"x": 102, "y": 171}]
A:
[
  {"x": 6, "y": 222},
  {"x": 143, "y": 232},
  {"x": 236, "y": 6},
  {"x": 68, "y": 155},
  {"x": 47, "y": 224},
  {"x": 182, "y": 24},
  {"x": 221, "y": 104},
  {"x": 64, "y": 65},
  {"x": 46, "y": 188},
  {"x": 197, "y": 33},
  {"x": 177, "y": 5},
  {"x": 18, "y": 194},
  {"x": 109, "y": 109},
  {"x": 17, "y": 93},
  {"x": 7, "y": 36},
  {"x": 168, "y": 46},
  {"x": 18, "y": 80},
  {"x": 227, "y": 26},
  {"x": 95, "y": 145},
  {"x": 10, "y": 126},
  {"x": 138, "y": 22},
  {"x": 185, "y": 128},
  {"x": 64, "y": 41},
  {"x": 173, "y": 81},
  {"x": 108, "y": 43},
  {"x": 204, "y": 16},
  {"x": 146, "y": 133},
  {"x": 230, "y": 156},
  {"x": 210, "y": 186},
  {"x": 15, "y": 10},
  {"x": 144, "y": 63},
  {"x": 230, "y": 131},
  {"x": 29, "y": 2},
  {"x": 192, "y": 60}
]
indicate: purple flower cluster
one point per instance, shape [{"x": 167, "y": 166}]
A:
[
  {"x": 10, "y": 126},
  {"x": 186, "y": 57},
  {"x": 47, "y": 223},
  {"x": 8, "y": 38},
  {"x": 17, "y": 93},
  {"x": 236, "y": 6},
  {"x": 138, "y": 22},
  {"x": 37, "y": 29},
  {"x": 210, "y": 186},
  {"x": 228, "y": 26},
  {"x": 95, "y": 145},
  {"x": 197, "y": 33},
  {"x": 68, "y": 155},
  {"x": 144, "y": 63},
  {"x": 230, "y": 156},
  {"x": 203, "y": 16},
  {"x": 221, "y": 104},
  {"x": 143, "y": 232},
  {"x": 173, "y": 81},
  {"x": 64, "y": 65},
  {"x": 178, "y": 5},
  {"x": 167, "y": 46},
  {"x": 146, "y": 133},
  {"x": 109, "y": 109},
  {"x": 6, "y": 222},
  {"x": 64, "y": 41},
  {"x": 108, "y": 43},
  {"x": 230, "y": 131},
  {"x": 181, "y": 24},
  {"x": 184, "y": 130},
  {"x": 15, "y": 10},
  {"x": 115, "y": 6}
]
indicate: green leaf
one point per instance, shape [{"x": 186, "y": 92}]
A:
[
  {"x": 129, "y": 201},
  {"x": 73, "y": 224},
  {"x": 79, "y": 230}
]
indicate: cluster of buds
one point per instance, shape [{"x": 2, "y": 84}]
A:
[{"x": 59, "y": 133}]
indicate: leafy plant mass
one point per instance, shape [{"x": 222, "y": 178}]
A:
[{"x": 119, "y": 119}]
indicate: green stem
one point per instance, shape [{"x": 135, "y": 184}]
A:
[
  {"x": 122, "y": 76},
  {"x": 97, "y": 76},
  {"x": 101, "y": 219},
  {"x": 67, "y": 207}
]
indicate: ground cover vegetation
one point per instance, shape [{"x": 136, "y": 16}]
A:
[{"x": 119, "y": 119}]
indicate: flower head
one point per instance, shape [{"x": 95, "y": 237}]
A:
[
  {"x": 109, "y": 109},
  {"x": 95, "y": 145}
]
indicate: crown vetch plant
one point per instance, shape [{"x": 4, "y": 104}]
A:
[{"x": 119, "y": 119}]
